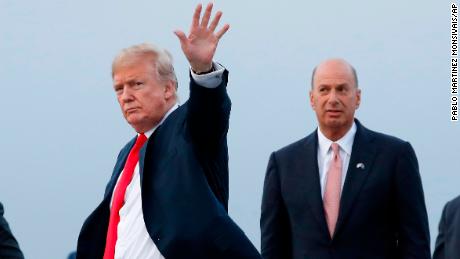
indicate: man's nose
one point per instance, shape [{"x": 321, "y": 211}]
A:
[
  {"x": 333, "y": 97},
  {"x": 126, "y": 95}
]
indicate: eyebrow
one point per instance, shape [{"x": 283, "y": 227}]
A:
[{"x": 327, "y": 85}]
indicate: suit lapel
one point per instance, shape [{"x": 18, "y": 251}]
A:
[
  {"x": 141, "y": 161},
  {"x": 119, "y": 167},
  {"x": 153, "y": 149},
  {"x": 361, "y": 161},
  {"x": 309, "y": 176}
]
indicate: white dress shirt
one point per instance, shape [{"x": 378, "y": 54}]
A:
[
  {"x": 325, "y": 155},
  {"x": 133, "y": 241}
]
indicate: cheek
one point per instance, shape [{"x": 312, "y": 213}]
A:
[
  {"x": 315, "y": 102},
  {"x": 153, "y": 103},
  {"x": 322, "y": 103},
  {"x": 353, "y": 103},
  {"x": 120, "y": 102}
]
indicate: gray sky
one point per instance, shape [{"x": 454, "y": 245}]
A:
[{"x": 62, "y": 128}]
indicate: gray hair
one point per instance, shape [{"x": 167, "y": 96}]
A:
[{"x": 161, "y": 58}]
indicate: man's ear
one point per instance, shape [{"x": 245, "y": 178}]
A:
[
  {"x": 170, "y": 89},
  {"x": 358, "y": 98},
  {"x": 312, "y": 103}
]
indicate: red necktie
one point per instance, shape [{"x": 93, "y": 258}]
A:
[
  {"x": 331, "y": 198},
  {"x": 119, "y": 196}
]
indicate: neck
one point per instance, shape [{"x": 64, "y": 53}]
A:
[
  {"x": 147, "y": 127},
  {"x": 335, "y": 134}
]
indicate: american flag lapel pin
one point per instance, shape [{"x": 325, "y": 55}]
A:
[{"x": 360, "y": 166}]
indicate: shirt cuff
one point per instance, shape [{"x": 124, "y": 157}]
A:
[{"x": 210, "y": 80}]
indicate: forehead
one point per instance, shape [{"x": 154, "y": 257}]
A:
[
  {"x": 133, "y": 70},
  {"x": 333, "y": 72}
]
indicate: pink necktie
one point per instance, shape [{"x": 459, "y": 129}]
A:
[
  {"x": 119, "y": 196},
  {"x": 331, "y": 198}
]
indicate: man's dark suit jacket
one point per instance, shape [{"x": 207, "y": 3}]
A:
[
  {"x": 9, "y": 247},
  {"x": 184, "y": 185},
  {"x": 448, "y": 241},
  {"x": 382, "y": 209}
]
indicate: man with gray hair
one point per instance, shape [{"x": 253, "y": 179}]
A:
[
  {"x": 344, "y": 191},
  {"x": 168, "y": 194}
]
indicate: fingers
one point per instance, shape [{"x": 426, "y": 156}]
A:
[
  {"x": 204, "y": 22},
  {"x": 206, "y": 16},
  {"x": 222, "y": 31},
  {"x": 215, "y": 21},
  {"x": 196, "y": 16},
  {"x": 181, "y": 36}
]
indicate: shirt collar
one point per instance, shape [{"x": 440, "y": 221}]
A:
[
  {"x": 345, "y": 143},
  {"x": 149, "y": 132}
]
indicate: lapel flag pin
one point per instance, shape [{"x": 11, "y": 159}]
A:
[{"x": 360, "y": 166}]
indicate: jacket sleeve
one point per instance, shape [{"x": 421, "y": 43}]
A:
[
  {"x": 274, "y": 222},
  {"x": 230, "y": 241},
  {"x": 208, "y": 115},
  {"x": 413, "y": 232}
]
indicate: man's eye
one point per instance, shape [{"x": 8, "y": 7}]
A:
[{"x": 139, "y": 83}]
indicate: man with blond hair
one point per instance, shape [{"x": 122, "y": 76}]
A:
[{"x": 168, "y": 195}]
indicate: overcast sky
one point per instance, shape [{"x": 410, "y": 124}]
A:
[{"x": 61, "y": 126}]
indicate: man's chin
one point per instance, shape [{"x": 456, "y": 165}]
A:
[
  {"x": 130, "y": 119},
  {"x": 335, "y": 123},
  {"x": 133, "y": 120},
  {"x": 140, "y": 124}
]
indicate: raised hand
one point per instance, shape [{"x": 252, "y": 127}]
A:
[{"x": 201, "y": 43}]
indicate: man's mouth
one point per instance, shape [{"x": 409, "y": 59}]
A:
[
  {"x": 130, "y": 110},
  {"x": 334, "y": 112}
]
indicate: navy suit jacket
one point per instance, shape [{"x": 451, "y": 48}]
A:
[
  {"x": 184, "y": 185},
  {"x": 382, "y": 209},
  {"x": 448, "y": 241},
  {"x": 9, "y": 247}
]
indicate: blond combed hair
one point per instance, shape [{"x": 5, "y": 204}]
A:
[{"x": 161, "y": 60}]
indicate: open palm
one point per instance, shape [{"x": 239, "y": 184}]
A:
[{"x": 200, "y": 45}]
